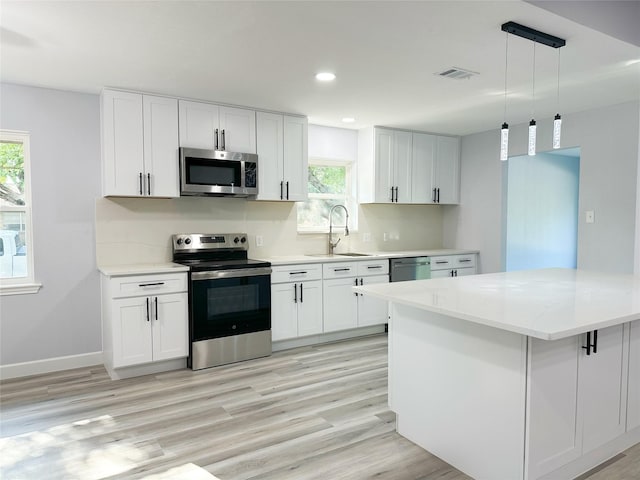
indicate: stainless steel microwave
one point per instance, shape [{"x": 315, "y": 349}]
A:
[{"x": 218, "y": 173}]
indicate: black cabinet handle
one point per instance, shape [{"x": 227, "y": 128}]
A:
[
  {"x": 140, "y": 177},
  {"x": 281, "y": 195},
  {"x": 224, "y": 142},
  {"x": 464, "y": 260},
  {"x": 374, "y": 266},
  {"x": 434, "y": 195},
  {"x": 297, "y": 273},
  {"x": 341, "y": 269},
  {"x": 356, "y": 284},
  {"x": 588, "y": 346},
  {"x": 156, "y": 301},
  {"x": 595, "y": 341},
  {"x": 441, "y": 262},
  {"x": 147, "y": 309},
  {"x": 148, "y": 184},
  {"x": 396, "y": 194},
  {"x": 438, "y": 189},
  {"x": 287, "y": 190},
  {"x": 295, "y": 293},
  {"x": 391, "y": 194},
  {"x": 150, "y": 284},
  {"x": 215, "y": 139},
  {"x": 301, "y": 294}
]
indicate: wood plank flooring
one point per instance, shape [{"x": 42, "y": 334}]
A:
[{"x": 308, "y": 413}]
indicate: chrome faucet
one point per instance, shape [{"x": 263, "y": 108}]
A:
[{"x": 346, "y": 227}]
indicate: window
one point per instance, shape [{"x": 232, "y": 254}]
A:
[
  {"x": 16, "y": 253},
  {"x": 330, "y": 183}
]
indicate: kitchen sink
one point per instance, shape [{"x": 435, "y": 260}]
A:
[{"x": 354, "y": 254}]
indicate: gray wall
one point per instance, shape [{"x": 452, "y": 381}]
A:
[
  {"x": 608, "y": 138},
  {"x": 64, "y": 317}
]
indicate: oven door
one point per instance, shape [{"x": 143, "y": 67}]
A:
[{"x": 230, "y": 302}]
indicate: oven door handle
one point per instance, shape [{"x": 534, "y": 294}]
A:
[{"x": 219, "y": 274}]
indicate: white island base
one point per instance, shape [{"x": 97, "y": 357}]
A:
[
  {"x": 492, "y": 373},
  {"x": 499, "y": 405}
]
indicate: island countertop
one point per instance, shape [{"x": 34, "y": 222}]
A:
[{"x": 548, "y": 304}]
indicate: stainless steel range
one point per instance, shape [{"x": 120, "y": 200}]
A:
[{"x": 229, "y": 299}]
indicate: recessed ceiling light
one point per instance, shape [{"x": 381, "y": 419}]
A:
[
  {"x": 325, "y": 76},
  {"x": 348, "y": 119}
]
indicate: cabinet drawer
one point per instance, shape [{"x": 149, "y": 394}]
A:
[
  {"x": 444, "y": 262},
  {"x": 339, "y": 270},
  {"x": 373, "y": 267},
  {"x": 296, "y": 273},
  {"x": 141, "y": 285}
]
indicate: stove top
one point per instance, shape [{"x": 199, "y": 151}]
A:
[
  {"x": 196, "y": 265},
  {"x": 213, "y": 251}
]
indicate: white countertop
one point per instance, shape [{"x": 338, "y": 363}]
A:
[
  {"x": 548, "y": 304},
  {"x": 298, "y": 259},
  {"x": 142, "y": 269}
]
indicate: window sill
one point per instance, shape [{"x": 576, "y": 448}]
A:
[{"x": 20, "y": 289}]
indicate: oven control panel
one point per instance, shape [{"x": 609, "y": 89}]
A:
[{"x": 209, "y": 241}]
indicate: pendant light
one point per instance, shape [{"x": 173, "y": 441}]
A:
[
  {"x": 532, "y": 124},
  {"x": 535, "y": 36},
  {"x": 504, "y": 131},
  {"x": 557, "y": 121}
]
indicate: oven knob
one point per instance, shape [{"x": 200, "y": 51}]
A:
[
  {"x": 179, "y": 241},
  {"x": 187, "y": 241},
  {"x": 243, "y": 240},
  {"x": 236, "y": 240}
]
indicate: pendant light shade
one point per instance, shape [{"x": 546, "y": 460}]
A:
[
  {"x": 532, "y": 138},
  {"x": 557, "y": 128},
  {"x": 504, "y": 142}
]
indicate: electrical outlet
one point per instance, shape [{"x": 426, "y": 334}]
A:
[
  {"x": 366, "y": 237},
  {"x": 258, "y": 240},
  {"x": 385, "y": 237},
  {"x": 590, "y": 217}
]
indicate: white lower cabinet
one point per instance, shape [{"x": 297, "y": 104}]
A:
[
  {"x": 577, "y": 401},
  {"x": 345, "y": 309},
  {"x": 633, "y": 402},
  {"x": 453, "y": 265},
  {"x": 296, "y": 301},
  {"x": 145, "y": 319}
]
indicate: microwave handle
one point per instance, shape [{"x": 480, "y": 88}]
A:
[
  {"x": 215, "y": 139},
  {"x": 224, "y": 143}
]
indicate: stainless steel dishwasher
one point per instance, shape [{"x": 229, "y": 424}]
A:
[{"x": 410, "y": 268}]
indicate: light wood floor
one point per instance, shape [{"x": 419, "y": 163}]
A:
[{"x": 310, "y": 413}]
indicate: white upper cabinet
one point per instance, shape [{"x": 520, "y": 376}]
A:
[
  {"x": 214, "y": 127},
  {"x": 282, "y": 157},
  {"x": 397, "y": 166},
  {"x": 447, "y": 170},
  {"x": 139, "y": 145}
]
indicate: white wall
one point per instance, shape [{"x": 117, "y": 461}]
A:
[
  {"x": 608, "y": 138},
  {"x": 64, "y": 317}
]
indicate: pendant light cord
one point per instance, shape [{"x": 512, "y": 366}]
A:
[
  {"x": 506, "y": 67},
  {"x": 533, "y": 91},
  {"x": 558, "y": 99}
]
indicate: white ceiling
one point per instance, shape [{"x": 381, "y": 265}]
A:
[{"x": 264, "y": 54}]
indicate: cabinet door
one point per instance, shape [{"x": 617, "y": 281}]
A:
[
  {"x": 383, "y": 147},
  {"x": 161, "y": 146},
  {"x": 310, "y": 308},
  {"x": 198, "y": 123},
  {"x": 131, "y": 331},
  {"x": 339, "y": 304},
  {"x": 447, "y": 170},
  {"x": 441, "y": 273},
  {"x": 402, "y": 165},
  {"x": 633, "y": 403},
  {"x": 295, "y": 158},
  {"x": 422, "y": 180},
  {"x": 269, "y": 132},
  {"x": 602, "y": 388},
  {"x": 463, "y": 272},
  {"x": 239, "y": 128},
  {"x": 170, "y": 326},
  {"x": 553, "y": 427},
  {"x": 372, "y": 311},
  {"x": 122, "y": 143},
  {"x": 284, "y": 311}
]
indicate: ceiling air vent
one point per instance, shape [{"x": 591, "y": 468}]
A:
[{"x": 457, "y": 73}]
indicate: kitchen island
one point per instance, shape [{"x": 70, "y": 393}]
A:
[{"x": 519, "y": 375}]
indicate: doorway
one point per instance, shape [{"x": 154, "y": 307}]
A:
[{"x": 541, "y": 220}]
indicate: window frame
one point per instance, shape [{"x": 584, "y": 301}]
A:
[
  {"x": 350, "y": 196},
  {"x": 22, "y": 285}
]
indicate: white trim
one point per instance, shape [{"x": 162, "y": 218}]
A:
[
  {"x": 48, "y": 365},
  {"x": 20, "y": 289}
]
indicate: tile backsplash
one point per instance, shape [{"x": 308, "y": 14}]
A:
[{"x": 138, "y": 230}]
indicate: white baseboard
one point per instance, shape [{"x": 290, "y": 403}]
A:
[{"x": 48, "y": 365}]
